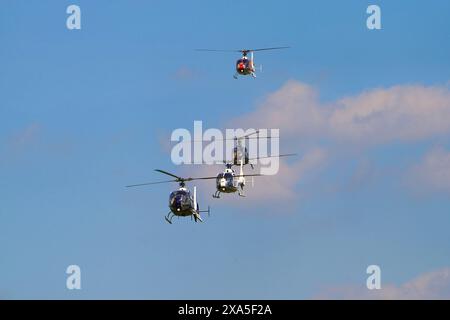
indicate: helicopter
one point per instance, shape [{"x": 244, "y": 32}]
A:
[
  {"x": 245, "y": 66},
  {"x": 240, "y": 152},
  {"x": 229, "y": 182},
  {"x": 181, "y": 202}
]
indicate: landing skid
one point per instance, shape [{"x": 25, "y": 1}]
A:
[
  {"x": 169, "y": 218},
  {"x": 197, "y": 218},
  {"x": 241, "y": 192}
]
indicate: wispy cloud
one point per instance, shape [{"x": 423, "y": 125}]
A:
[
  {"x": 282, "y": 186},
  {"x": 430, "y": 285},
  {"x": 184, "y": 73},
  {"x": 35, "y": 138},
  {"x": 25, "y": 137},
  {"x": 404, "y": 112},
  {"x": 432, "y": 173}
]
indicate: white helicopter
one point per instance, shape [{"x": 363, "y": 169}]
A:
[
  {"x": 181, "y": 202},
  {"x": 245, "y": 66},
  {"x": 229, "y": 182},
  {"x": 240, "y": 151}
]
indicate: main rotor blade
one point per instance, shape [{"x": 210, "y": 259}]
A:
[
  {"x": 170, "y": 174},
  {"x": 149, "y": 183},
  {"x": 218, "y": 50},
  {"x": 279, "y": 156},
  {"x": 258, "y": 137},
  {"x": 179, "y": 179},
  {"x": 243, "y": 50},
  {"x": 225, "y": 139},
  {"x": 263, "y": 49},
  {"x": 247, "y": 135},
  {"x": 200, "y": 178},
  {"x": 250, "y": 175}
]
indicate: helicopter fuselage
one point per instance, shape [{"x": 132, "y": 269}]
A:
[
  {"x": 244, "y": 66},
  {"x": 226, "y": 183},
  {"x": 181, "y": 203},
  {"x": 240, "y": 152}
]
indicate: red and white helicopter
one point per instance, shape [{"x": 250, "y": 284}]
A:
[{"x": 245, "y": 66}]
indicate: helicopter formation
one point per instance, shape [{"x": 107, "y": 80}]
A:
[{"x": 183, "y": 203}]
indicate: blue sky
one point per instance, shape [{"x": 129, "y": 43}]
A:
[{"x": 85, "y": 112}]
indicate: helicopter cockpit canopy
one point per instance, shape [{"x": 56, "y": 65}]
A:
[
  {"x": 242, "y": 64},
  {"x": 238, "y": 154},
  {"x": 228, "y": 177},
  {"x": 179, "y": 198}
]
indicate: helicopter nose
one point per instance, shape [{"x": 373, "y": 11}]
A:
[{"x": 177, "y": 202}]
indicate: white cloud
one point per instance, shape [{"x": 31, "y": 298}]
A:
[
  {"x": 294, "y": 109},
  {"x": 25, "y": 137},
  {"x": 432, "y": 173},
  {"x": 184, "y": 73},
  {"x": 282, "y": 186},
  {"x": 404, "y": 112},
  {"x": 397, "y": 113},
  {"x": 430, "y": 285}
]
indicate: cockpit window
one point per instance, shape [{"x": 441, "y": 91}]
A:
[
  {"x": 228, "y": 176},
  {"x": 179, "y": 193},
  {"x": 242, "y": 61}
]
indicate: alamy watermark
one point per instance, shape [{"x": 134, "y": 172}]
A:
[
  {"x": 73, "y": 21},
  {"x": 373, "y": 22},
  {"x": 374, "y": 279},
  {"x": 73, "y": 281}
]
